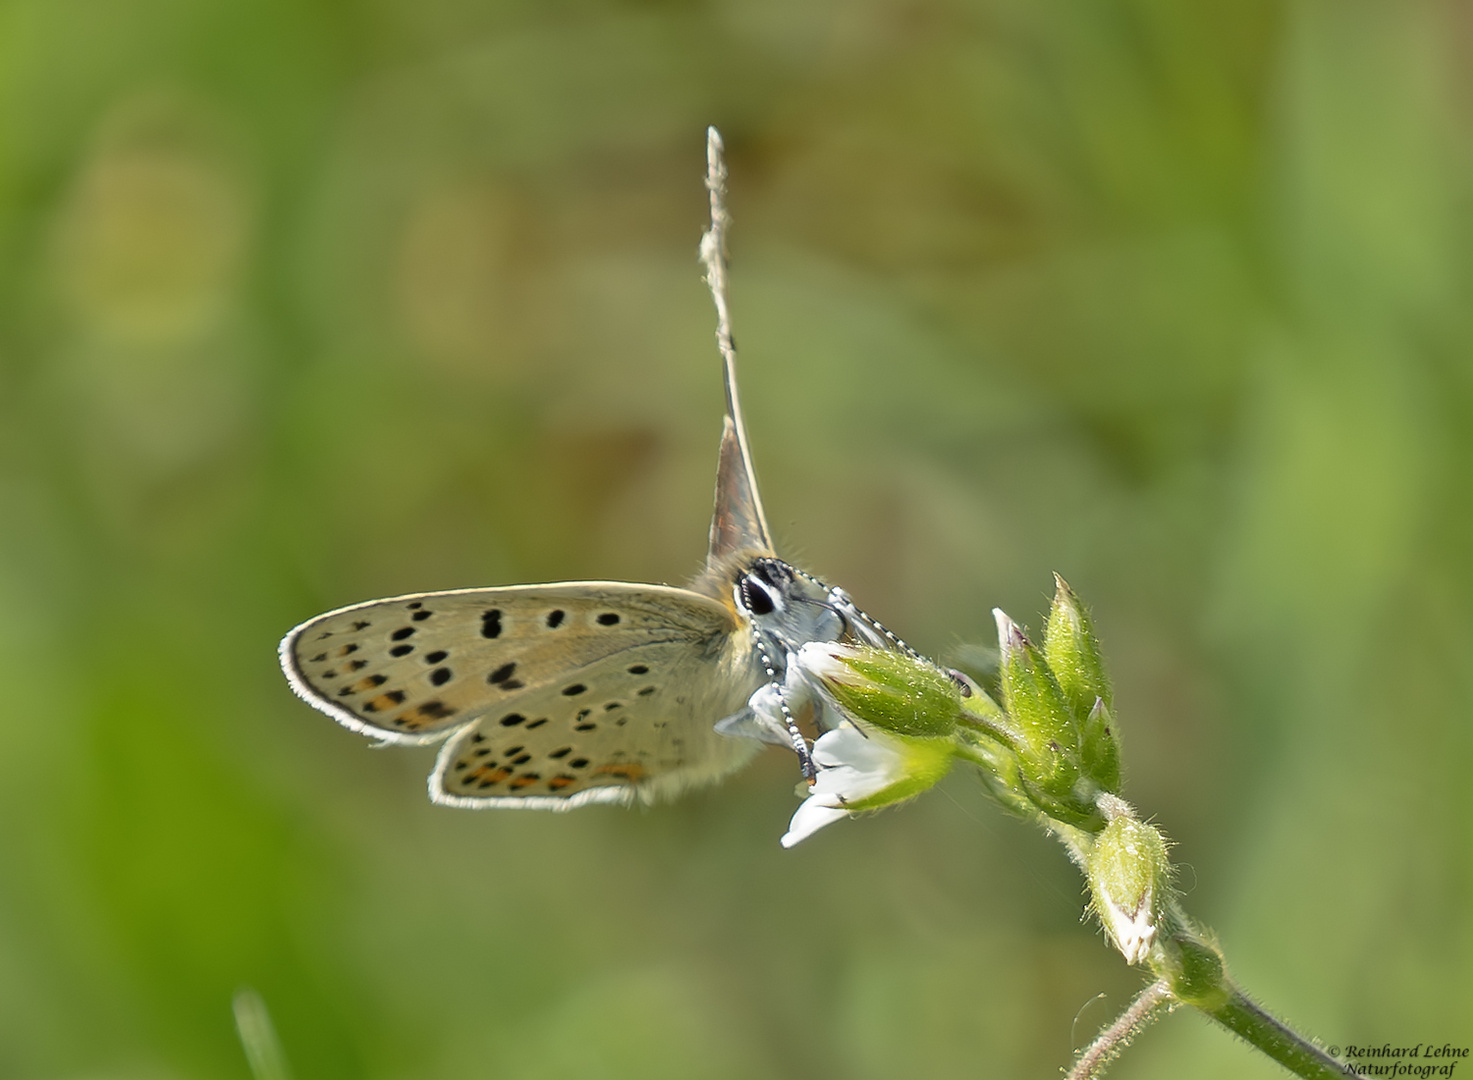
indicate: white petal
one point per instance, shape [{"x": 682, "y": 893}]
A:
[
  {"x": 874, "y": 753},
  {"x": 1133, "y": 934},
  {"x": 809, "y": 818},
  {"x": 825, "y": 659}
]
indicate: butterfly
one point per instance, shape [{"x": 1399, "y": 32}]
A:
[{"x": 562, "y": 695}]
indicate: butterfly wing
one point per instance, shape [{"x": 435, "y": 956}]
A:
[{"x": 553, "y": 695}]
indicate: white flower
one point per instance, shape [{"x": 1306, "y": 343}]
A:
[
  {"x": 852, "y": 766},
  {"x": 1128, "y": 872},
  {"x": 1132, "y": 931},
  {"x": 859, "y": 765}
]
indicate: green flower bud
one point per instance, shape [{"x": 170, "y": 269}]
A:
[
  {"x": 1048, "y": 736},
  {"x": 1073, "y": 652},
  {"x": 894, "y": 691},
  {"x": 1030, "y": 693},
  {"x": 1129, "y": 880},
  {"x": 1100, "y": 756}
]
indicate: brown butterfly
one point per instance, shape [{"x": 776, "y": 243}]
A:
[{"x": 560, "y": 695}]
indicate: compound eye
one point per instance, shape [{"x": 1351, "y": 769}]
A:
[{"x": 756, "y": 598}]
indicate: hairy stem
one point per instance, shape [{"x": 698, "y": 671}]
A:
[
  {"x": 1246, "y": 1019},
  {"x": 1147, "y": 1006}
]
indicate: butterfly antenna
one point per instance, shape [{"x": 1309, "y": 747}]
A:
[{"x": 738, "y": 522}]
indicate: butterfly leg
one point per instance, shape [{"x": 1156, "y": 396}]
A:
[
  {"x": 800, "y": 744},
  {"x": 780, "y": 719},
  {"x": 772, "y": 713}
]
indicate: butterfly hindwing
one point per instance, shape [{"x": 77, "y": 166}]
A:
[
  {"x": 527, "y": 668},
  {"x": 637, "y": 723}
]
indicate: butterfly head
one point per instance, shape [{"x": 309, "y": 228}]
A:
[
  {"x": 784, "y": 605},
  {"x": 788, "y": 608}
]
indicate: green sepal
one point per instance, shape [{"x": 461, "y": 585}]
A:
[
  {"x": 1049, "y": 737},
  {"x": 1073, "y": 652},
  {"x": 894, "y": 691},
  {"x": 1130, "y": 882},
  {"x": 927, "y": 761},
  {"x": 981, "y": 712},
  {"x": 1195, "y": 971},
  {"x": 1100, "y": 756},
  {"x": 998, "y": 771},
  {"x": 1030, "y": 693}
]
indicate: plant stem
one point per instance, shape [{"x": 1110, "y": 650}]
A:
[
  {"x": 1113, "y": 1039},
  {"x": 1246, "y": 1019}
]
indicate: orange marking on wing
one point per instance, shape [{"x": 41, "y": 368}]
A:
[
  {"x": 417, "y": 717},
  {"x": 631, "y": 772},
  {"x": 557, "y": 783},
  {"x": 525, "y": 780}
]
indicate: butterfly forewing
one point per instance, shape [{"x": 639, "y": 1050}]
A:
[{"x": 626, "y": 679}]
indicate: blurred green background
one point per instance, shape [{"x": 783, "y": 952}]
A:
[{"x": 303, "y": 303}]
